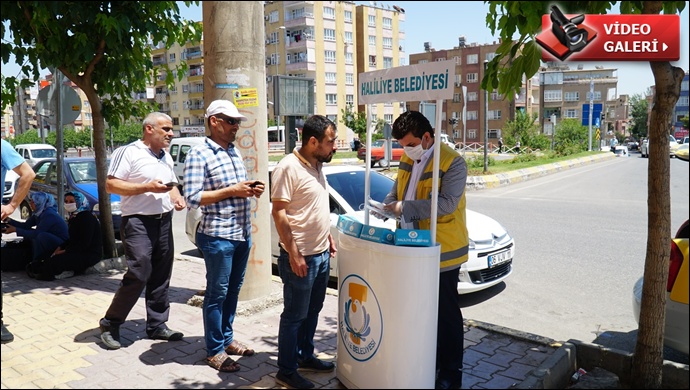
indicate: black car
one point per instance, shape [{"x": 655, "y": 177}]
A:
[{"x": 79, "y": 174}]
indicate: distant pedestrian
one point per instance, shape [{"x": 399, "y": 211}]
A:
[
  {"x": 517, "y": 146},
  {"x": 215, "y": 180},
  {"x": 139, "y": 172},
  {"x": 500, "y": 145},
  {"x": 11, "y": 160},
  {"x": 301, "y": 213}
]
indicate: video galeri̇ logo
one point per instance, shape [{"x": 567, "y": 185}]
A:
[{"x": 567, "y": 36}]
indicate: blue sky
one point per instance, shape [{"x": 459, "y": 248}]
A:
[{"x": 442, "y": 22}]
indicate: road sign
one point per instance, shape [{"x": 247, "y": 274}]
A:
[
  {"x": 70, "y": 102},
  {"x": 596, "y": 113}
]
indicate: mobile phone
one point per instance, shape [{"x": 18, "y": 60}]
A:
[
  {"x": 256, "y": 183},
  {"x": 171, "y": 184}
]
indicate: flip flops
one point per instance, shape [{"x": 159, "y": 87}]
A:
[{"x": 223, "y": 363}]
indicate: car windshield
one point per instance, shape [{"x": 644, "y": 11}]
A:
[
  {"x": 350, "y": 185},
  {"x": 377, "y": 144},
  {"x": 44, "y": 153},
  {"x": 83, "y": 171}
]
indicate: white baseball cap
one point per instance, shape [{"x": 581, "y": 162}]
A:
[{"x": 224, "y": 107}]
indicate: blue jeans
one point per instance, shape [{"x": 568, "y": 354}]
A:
[
  {"x": 302, "y": 303},
  {"x": 226, "y": 263}
]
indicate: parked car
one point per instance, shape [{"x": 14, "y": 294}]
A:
[
  {"x": 378, "y": 152},
  {"x": 682, "y": 152},
  {"x": 179, "y": 147},
  {"x": 79, "y": 174},
  {"x": 35, "y": 153},
  {"x": 488, "y": 238},
  {"x": 633, "y": 145},
  {"x": 676, "y": 328},
  {"x": 11, "y": 179},
  {"x": 673, "y": 145},
  {"x": 446, "y": 140}
]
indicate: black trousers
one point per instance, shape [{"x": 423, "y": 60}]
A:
[
  {"x": 450, "y": 341},
  {"x": 149, "y": 249}
]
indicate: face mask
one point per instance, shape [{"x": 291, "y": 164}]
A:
[
  {"x": 414, "y": 152},
  {"x": 70, "y": 207}
]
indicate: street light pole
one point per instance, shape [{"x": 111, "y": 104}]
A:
[
  {"x": 486, "y": 122},
  {"x": 275, "y": 80}
]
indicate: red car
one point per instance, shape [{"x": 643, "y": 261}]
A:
[{"x": 378, "y": 152}]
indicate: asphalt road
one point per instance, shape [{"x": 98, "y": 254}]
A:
[{"x": 580, "y": 246}]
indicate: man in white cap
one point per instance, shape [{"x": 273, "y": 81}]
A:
[{"x": 215, "y": 179}]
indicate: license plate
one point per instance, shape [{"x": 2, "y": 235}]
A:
[{"x": 498, "y": 258}]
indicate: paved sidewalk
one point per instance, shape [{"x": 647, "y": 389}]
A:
[{"x": 57, "y": 341}]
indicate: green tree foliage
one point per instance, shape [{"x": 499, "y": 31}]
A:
[
  {"x": 103, "y": 47},
  {"x": 571, "y": 137},
  {"x": 525, "y": 128},
  {"x": 639, "y": 116},
  {"x": 523, "y": 19},
  {"x": 684, "y": 120},
  {"x": 27, "y": 137},
  {"x": 356, "y": 121},
  {"x": 127, "y": 132}
]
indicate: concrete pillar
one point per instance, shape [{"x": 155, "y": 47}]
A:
[{"x": 234, "y": 61}]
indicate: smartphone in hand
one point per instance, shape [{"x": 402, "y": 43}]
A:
[
  {"x": 256, "y": 183},
  {"x": 171, "y": 184}
]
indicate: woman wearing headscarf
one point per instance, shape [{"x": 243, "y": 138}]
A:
[
  {"x": 43, "y": 231},
  {"x": 83, "y": 249}
]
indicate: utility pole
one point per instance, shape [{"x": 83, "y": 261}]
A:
[
  {"x": 234, "y": 53},
  {"x": 486, "y": 123}
]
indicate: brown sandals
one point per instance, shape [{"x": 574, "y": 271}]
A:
[
  {"x": 223, "y": 363},
  {"x": 237, "y": 348}
]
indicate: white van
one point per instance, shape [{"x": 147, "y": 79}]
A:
[
  {"x": 34, "y": 153},
  {"x": 446, "y": 140},
  {"x": 178, "y": 151}
]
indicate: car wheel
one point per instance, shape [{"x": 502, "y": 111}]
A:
[
  {"x": 25, "y": 211},
  {"x": 383, "y": 163}
]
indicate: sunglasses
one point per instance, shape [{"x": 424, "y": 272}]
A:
[{"x": 230, "y": 121}]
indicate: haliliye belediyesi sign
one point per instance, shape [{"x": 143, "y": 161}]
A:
[{"x": 431, "y": 81}]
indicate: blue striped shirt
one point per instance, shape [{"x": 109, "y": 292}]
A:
[{"x": 210, "y": 167}]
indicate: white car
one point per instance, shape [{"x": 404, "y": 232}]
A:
[
  {"x": 673, "y": 145},
  {"x": 11, "y": 179},
  {"x": 491, "y": 247}
]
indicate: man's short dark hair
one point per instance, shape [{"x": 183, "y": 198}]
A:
[
  {"x": 316, "y": 127},
  {"x": 411, "y": 122}
]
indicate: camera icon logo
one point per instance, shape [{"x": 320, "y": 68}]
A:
[{"x": 567, "y": 36}]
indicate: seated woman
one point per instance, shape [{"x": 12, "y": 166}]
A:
[
  {"x": 83, "y": 249},
  {"x": 42, "y": 232}
]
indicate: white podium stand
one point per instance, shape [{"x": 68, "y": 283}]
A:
[{"x": 387, "y": 314}]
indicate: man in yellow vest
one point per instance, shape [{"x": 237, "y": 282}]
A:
[{"x": 410, "y": 201}]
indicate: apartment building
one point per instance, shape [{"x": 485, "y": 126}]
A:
[
  {"x": 469, "y": 71},
  {"x": 332, "y": 42}
]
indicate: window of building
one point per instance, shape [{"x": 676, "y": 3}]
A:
[
  {"x": 388, "y": 118},
  {"x": 372, "y": 60},
  {"x": 494, "y": 133},
  {"x": 553, "y": 95},
  {"x": 330, "y": 78},
  {"x": 387, "y": 23},
  {"x": 458, "y": 60},
  {"x": 471, "y": 115},
  {"x": 332, "y": 118},
  {"x": 348, "y": 16},
  {"x": 472, "y": 77},
  {"x": 495, "y": 96},
  {"x": 171, "y": 57},
  {"x": 440, "y": 59},
  {"x": 422, "y": 61},
  {"x": 572, "y": 113},
  {"x": 472, "y": 133},
  {"x": 472, "y": 96},
  {"x": 387, "y": 43},
  {"x": 328, "y": 34},
  {"x": 372, "y": 40},
  {"x": 571, "y": 96},
  {"x": 490, "y": 56},
  {"x": 402, "y": 61},
  {"x": 174, "y": 106},
  {"x": 387, "y": 62},
  {"x": 348, "y": 36},
  {"x": 348, "y": 58},
  {"x": 185, "y": 88},
  {"x": 494, "y": 114},
  {"x": 328, "y": 13},
  {"x": 273, "y": 17},
  {"x": 472, "y": 58},
  {"x": 597, "y": 96},
  {"x": 372, "y": 20},
  {"x": 331, "y": 99},
  {"x": 349, "y": 79},
  {"x": 173, "y": 90},
  {"x": 458, "y": 80},
  {"x": 350, "y": 100},
  {"x": 456, "y": 98},
  {"x": 329, "y": 56},
  {"x": 682, "y": 101}
]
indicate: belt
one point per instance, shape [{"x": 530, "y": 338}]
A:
[{"x": 155, "y": 216}]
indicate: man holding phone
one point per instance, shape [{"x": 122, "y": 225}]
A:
[
  {"x": 215, "y": 179},
  {"x": 137, "y": 173}
]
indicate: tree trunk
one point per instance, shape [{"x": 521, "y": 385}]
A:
[{"x": 647, "y": 361}]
